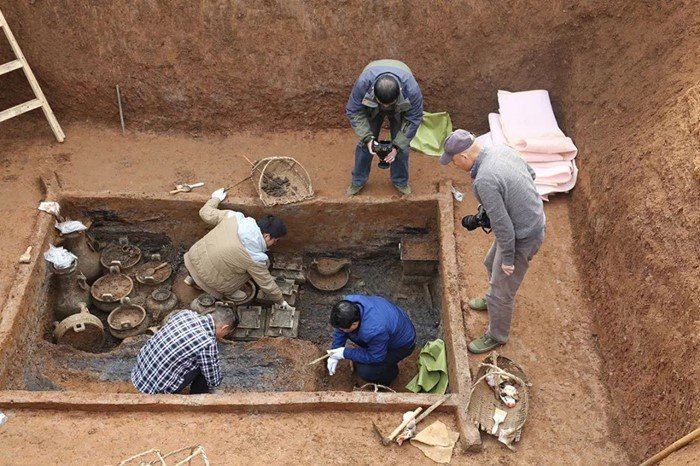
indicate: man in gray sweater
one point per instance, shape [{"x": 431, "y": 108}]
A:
[{"x": 504, "y": 185}]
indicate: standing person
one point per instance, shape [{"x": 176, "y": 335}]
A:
[
  {"x": 184, "y": 353},
  {"x": 504, "y": 185},
  {"x": 382, "y": 330},
  {"x": 385, "y": 89},
  {"x": 233, "y": 252}
]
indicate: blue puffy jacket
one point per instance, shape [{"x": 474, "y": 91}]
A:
[
  {"x": 362, "y": 105},
  {"x": 383, "y": 326}
]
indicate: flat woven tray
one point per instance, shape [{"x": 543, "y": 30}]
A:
[
  {"x": 281, "y": 180},
  {"x": 483, "y": 400}
]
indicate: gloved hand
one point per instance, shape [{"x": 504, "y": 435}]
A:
[
  {"x": 391, "y": 156},
  {"x": 285, "y": 305},
  {"x": 331, "y": 364},
  {"x": 219, "y": 194},
  {"x": 370, "y": 147},
  {"x": 337, "y": 353}
]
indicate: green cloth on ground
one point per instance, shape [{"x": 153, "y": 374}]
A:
[
  {"x": 432, "y": 369},
  {"x": 432, "y": 132}
]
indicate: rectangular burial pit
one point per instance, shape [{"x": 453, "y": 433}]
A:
[{"x": 261, "y": 374}]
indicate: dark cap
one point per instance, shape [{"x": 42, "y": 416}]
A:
[{"x": 457, "y": 142}]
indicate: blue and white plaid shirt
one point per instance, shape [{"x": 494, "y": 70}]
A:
[{"x": 186, "y": 342}]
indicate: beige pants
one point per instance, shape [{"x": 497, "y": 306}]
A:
[{"x": 500, "y": 297}]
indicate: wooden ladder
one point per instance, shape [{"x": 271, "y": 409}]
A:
[{"x": 40, "y": 98}]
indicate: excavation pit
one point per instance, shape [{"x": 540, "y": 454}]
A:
[{"x": 366, "y": 232}]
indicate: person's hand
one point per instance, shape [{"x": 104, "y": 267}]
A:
[
  {"x": 370, "y": 147},
  {"x": 284, "y": 305},
  {"x": 508, "y": 269},
  {"x": 391, "y": 156},
  {"x": 219, "y": 194},
  {"x": 337, "y": 353},
  {"x": 331, "y": 364}
]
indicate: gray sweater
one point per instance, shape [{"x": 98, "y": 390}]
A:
[{"x": 504, "y": 185}]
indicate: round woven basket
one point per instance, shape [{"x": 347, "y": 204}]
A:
[{"x": 281, "y": 180}]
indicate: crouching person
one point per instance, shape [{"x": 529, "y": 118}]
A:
[
  {"x": 383, "y": 332},
  {"x": 233, "y": 252},
  {"x": 184, "y": 353}
]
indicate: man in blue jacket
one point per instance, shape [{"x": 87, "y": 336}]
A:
[
  {"x": 382, "y": 331},
  {"x": 386, "y": 88}
]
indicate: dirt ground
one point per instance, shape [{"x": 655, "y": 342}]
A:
[{"x": 552, "y": 338}]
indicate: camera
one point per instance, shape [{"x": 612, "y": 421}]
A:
[
  {"x": 480, "y": 219},
  {"x": 382, "y": 149}
]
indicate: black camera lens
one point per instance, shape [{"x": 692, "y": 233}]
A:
[{"x": 470, "y": 222}]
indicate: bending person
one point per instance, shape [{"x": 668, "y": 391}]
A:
[
  {"x": 382, "y": 330},
  {"x": 233, "y": 252}
]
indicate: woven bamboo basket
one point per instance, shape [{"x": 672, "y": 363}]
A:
[
  {"x": 483, "y": 400},
  {"x": 281, "y": 180}
]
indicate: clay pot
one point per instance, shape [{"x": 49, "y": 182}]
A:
[
  {"x": 108, "y": 290},
  {"x": 82, "y": 331},
  {"x": 153, "y": 272},
  {"x": 72, "y": 290},
  {"x": 124, "y": 254},
  {"x": 85, "y": 248},
  {"x": 127, "y": 320},
  {"x": 160, "y": 302},
  {"x": 203, "y": 304}
]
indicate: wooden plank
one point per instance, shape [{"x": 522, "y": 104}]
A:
[
  {"x": 10, "y": 66},
  {"x": 53, "y": 123},
  {"x": 20, "y": 109}
]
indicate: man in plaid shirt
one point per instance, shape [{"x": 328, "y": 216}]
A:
[{"x": 184, "y": 352}]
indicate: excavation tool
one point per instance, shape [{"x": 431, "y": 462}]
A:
[
  {"x": 677, "y": 445},
  {"x": 237, "y": 183},
  {"x": 185, "y": 188},
  {"x": 402, "y": 426},
  {"x": 121, "y": 112},
  {"x": 317, "y": 360}
]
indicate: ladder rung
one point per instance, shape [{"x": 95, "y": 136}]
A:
[
  {"x": 10, "y": 66},
  {"x": 20, "y": 109}
]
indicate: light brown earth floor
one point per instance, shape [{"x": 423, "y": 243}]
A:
[{"x": 552, "y": 336}]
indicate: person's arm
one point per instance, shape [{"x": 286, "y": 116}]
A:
[
  {"x": 375, "y": 352},
  {"x": 357, "y": 112},
  {"x": 261, "y": 275},
  {"x": 210, "y": 212},
  {"x": 492, "y": 200},
  {"x": 209, "y": 365},
  {"x": 410, "y": 121},
  {"x": 339, "y": 338}
]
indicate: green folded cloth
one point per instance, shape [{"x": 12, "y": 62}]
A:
[
  {"x": 432, "y": 132},
  {"x": 432, "y": 369}
]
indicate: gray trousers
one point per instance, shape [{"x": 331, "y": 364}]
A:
[{"x": 500, "y": 298}]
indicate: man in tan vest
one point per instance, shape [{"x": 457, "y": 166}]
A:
[{"x": 233, "y": 252}]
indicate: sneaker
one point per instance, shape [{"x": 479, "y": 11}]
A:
[
  {"x": 483, "y": 344},
  {"x": 188, "y": 280},
  {"x": 354, "y": 189},
  {"x": 238, "y": 295},
  {"x": 405, "y": 190},
  {"x": 478, "y": 304}
]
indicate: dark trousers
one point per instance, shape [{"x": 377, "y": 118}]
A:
[
  {"x": 363, "y": 159},
  {"x": 384, "y": 372},
  {"x": 196, "y": 381}
]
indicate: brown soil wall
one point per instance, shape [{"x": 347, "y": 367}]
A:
[
  {"x": 229, "y": 65},
  {"x": 634, "y": 105},
  {"x": 624, "y": 78}
]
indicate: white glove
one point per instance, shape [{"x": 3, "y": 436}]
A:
[
  {"x": 337, "y": 353},
  {"x": 219, "y": 194},
  {"x": 285, "y": 306},
  {"x": 331, "y": 365}
]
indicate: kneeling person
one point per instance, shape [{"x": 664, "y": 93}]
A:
[
  {"x": 184, "y": 353},
  {"x": 382, "y": 330}
]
